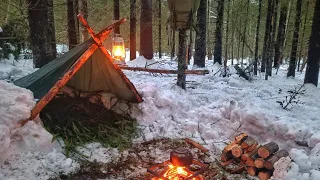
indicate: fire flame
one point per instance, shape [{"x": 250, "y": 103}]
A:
[{"x": 177, "y": 173}]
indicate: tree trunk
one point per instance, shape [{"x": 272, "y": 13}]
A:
[
  {"x": 281, "y": 35},
  {"x": 181, "y": 80},
  {"x": 218, "y": 34},
  {"x": 116, "y": 15},
  {"x": 40, "y": 33},
  {"x": 272, "y": 36},
  {"x": 227, "y": 37},
  {"x": 133, "y": 23},
  {"x": 159, "y": 26},
  {"x": 312, "y": 71},
  {"x": 146, "y": 41},
  {"x": 302, "y": 37},
  {"x": 84, "y": 12},
  {"x": 256, "y": 50},
  {"x": 173, "y": 44},
  {"x": 293, "y": 56},
  {"x": 76, "y": 12},
  {"x": 267, "y": 37},
  {"x": 209, "y": 50},
  {"x": 245, "y": 31},
  {"x": 200, "y": 42},
  {"x": 52, "y": 29},
  {"x": 72, "y": 32}
]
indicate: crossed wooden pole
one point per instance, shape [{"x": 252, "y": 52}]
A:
[{"x": 98, "y": 39}]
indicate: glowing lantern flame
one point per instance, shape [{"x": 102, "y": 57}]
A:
[{"x": 118, "y": 49}]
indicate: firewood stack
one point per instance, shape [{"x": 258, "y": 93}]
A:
[{"x": 258, "y": 160}]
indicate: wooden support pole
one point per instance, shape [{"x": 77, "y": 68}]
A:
[{"x": 60, "y": 83}]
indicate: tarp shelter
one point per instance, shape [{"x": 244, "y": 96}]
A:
[{"x": 87, "y": 67}]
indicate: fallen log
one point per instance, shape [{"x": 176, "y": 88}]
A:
[
  {"x": 264, "y": 175},
  {"x": 259, "y": 163},
  {"x": 227, "y": 162},
  {"x": 269, "y": 163},
  {"x": 197, "y": 145},
  {"x": 229, "y": 147},
  {"x": 165, "y": 71},
  {"x": 268, "y": 149},
  {"x": 248, "y": 142}
]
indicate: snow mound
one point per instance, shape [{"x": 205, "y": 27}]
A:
[{"x": 26, "y": 152}]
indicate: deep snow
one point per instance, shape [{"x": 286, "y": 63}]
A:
[{"x": 212, "y": 111}]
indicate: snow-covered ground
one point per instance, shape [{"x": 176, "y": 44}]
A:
[{"x": 212, "y": 111}]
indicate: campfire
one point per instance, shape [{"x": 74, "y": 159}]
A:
[{"x": 181, "y": 166}]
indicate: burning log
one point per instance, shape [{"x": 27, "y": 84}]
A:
[
  {"x": 252, "y": 171},
  {"x": 269, "y": 163},
  {"x": 264, "y": 175},
  {"x": 248, "y": 143},
  {"x": 268, "y": 149},
  {"x": 237, "y": 151},
  {"x": 245, "y": 156},
  {"x": 259, "y": 162},
  {"x": 197, "y": 145}
]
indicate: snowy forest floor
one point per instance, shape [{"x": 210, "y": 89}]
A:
[{"x": 211, "y": 111}]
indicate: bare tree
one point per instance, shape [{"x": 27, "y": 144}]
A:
[
  {"x": 116, "y": 15},
  {"x": 281, "y": 35}
]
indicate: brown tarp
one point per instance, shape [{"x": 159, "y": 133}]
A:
[{"x": 98, "y": 74}]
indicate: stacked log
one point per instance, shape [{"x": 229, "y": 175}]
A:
[{"x": 258, "y": 160}]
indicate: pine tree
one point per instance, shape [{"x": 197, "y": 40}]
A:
[
  {"x": 295, "y": 40},
  {"x": 146, "y": 41},
  {"x": 200, "y": 42},
  {"x": 312, "y": 71},
  {"x": 52, "y": 29},
  {"x": 181, "y": 80},
  {"x": 218, "y": 34},
  {"x": 40, "y": 32}
]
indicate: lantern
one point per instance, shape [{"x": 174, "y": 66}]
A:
[{"x": 118, "y": 49}]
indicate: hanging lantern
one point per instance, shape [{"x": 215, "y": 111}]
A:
[{"x": 118, "y": 48}]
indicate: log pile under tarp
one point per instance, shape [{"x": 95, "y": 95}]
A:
[{"x": 257, "y": 160}]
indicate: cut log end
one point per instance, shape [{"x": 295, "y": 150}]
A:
[
  {"x": 237, "y": 151},
  {"x": 252, "y": 171},
  {"x": 240, "y": 138},
  {"x": 269, "y": 163},
  {"x": 268, "y": 149},
  {"x": 248, "y": 142},
  {"x": 264, "y": 175},
  {"x": 259, "y": 163}
]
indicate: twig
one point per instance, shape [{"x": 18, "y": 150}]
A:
[{"x": 197, "y": 145}]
